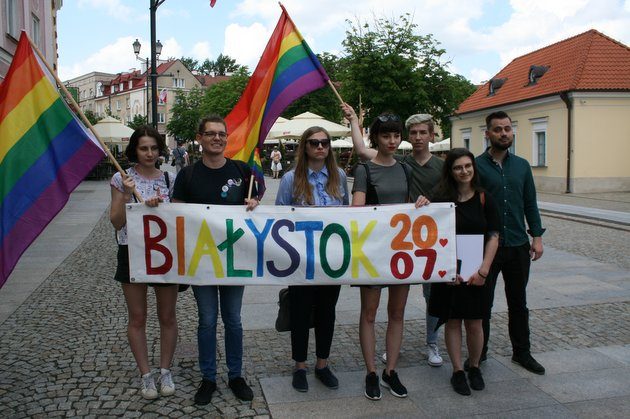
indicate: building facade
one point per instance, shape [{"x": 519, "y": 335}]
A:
[
  {"x": 569, "y": 104},
  {"x": 38, "y": 18}
]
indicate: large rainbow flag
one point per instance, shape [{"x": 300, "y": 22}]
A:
[
  {"x": 45, "y": 152},
  {"x": 287, "y": 70}
]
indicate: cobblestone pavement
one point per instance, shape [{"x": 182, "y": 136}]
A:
[{"x": 64, "y": 352}]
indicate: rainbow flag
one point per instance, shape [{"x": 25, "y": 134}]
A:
[
  {"x": 45, "y": 152},
  {"x": 287, "y": 70}
]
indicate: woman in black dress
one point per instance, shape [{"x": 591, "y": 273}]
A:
[{"x": 466, "y": 299}]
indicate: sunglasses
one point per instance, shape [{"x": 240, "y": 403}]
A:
[
  {"x": 316, "y": 143},
  {"x": 388, "y": 117}
]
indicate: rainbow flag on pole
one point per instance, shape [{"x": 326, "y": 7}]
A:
[
  {"x": 287, "y": 70},
  {"x": 45, "y": 152}
]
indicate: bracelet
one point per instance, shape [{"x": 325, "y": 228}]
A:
[{"x": 481, "y": 275}]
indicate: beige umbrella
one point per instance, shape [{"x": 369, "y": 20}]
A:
[
  {"x": 294, "y": 127},
  {"x": 341, "y": 143},
  {"x": 405, "y": 145},
  {"x": 112, "y": 131},
  {"x": 444, "y": 145}
]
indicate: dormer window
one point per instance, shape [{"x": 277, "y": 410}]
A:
[
  {"x": 495, "y": 84},
  {"x": 536, "y": 72}
]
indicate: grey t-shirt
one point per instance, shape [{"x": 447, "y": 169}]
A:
[
  {"x": 423, "y": 178},
  {"x": 390, "y": 182}
]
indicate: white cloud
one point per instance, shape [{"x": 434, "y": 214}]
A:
[
  {"x": 113, "y": 8},
  {"x": 201, "y": 51},
  {"x": 112, "y": 58},
  {"x": 171, "y": 48},
  {"x": 479, "y": 75},
  {"x": 246, "y": 43}
]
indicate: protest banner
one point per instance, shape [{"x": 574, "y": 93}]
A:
[{"x": 282, "y": 245}]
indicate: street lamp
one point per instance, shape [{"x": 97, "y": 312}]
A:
[
  {"x": 156, "y": 50},
  {"x": 109, "y": 96}
]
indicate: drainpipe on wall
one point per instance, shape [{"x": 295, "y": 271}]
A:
[{"x": 565, "y": 98}]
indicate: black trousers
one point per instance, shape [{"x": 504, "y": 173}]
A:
[
  {"x": 513, "y": 263},
  {"x": 321, "y": 300}
]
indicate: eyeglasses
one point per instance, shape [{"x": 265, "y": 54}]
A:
[
  {"x": 316, "y": 143},
  {"x": 212, "y": 134},
  {"x": 388, "y": 117}
]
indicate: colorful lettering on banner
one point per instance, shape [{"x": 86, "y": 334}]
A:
[{"x": 205, "y": 245}]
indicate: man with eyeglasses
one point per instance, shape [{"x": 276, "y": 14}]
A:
[
  {"x": 217, "y": 180},
  {"x": 508, "y": 178},
  {"x": 425, "y": 173}
]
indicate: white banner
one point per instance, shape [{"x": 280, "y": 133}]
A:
[{"x": 282, "y": 245}]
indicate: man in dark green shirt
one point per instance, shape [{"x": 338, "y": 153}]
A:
[{"x": 508, "y": 178}]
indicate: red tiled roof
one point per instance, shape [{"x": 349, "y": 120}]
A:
[
  {"x": 207, "y": 81},
  {"x": 590, "y": 61},
  {"x": 138, "y": 78}
]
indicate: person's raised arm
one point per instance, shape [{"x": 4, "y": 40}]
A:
[
  {"x": 360, "y": 149},
  {"x": 117, "y": 214}
]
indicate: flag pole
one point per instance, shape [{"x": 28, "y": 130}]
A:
[{"x": 82, "y": 116}]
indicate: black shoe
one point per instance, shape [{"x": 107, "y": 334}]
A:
[
  {"x": 372, "y": 389},
  {"x": 467, "y": 361},
  {"x": 529, "y": 363},
  {"x": 392, "y": 382},
  {"x": 240, "y": 389},
  {"x": 475, "y": 378},
  {"x": 299, "y": 381},
  {"x": 459, "y": 383},
  {"x": 204, "y": 393},
  {"x": 327, "y": 378}
]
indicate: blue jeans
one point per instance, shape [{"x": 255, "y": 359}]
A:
[
  {"x": 231, "y": 299},
  {"x": 431, "y": 321}
]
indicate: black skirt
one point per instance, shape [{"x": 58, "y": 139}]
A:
[{"x": 459, "y": 302}]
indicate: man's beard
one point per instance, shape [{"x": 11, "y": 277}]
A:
[{"x": 500, "y": 145}]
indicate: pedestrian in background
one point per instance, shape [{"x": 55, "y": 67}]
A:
[
  {"x": 276, "y": 162},
  {"x": 315, "y": 181},
  {"x": 467, "y": 299},
  {"x": 145, "y": 147}
]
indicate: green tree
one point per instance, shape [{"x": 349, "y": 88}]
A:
[
  {"x": 137, "y": 122},
  {"x": 395, "y": 69},
  {"x": 190, "y": 63},
  {"x": 222, "y": 66},
  {"x": 220, "y": 98},
  {"x": 91, "y": 116},
  {"x": 186, "y": 114}
]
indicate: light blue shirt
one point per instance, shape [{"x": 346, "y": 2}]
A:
[{"x": 318, "y": 181}]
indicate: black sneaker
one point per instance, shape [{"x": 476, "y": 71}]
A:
[
  {"x": 240, "y": 389},
  {"x": 467, "y": 361},
  {"x": 459, "y": 383},
  {"x": 394, "y": 385},
  {"x": 327, "y": 378},
  {"x": 372, "y": 389},
  {"x": 299, "y": 381},
  {"x": 475, "y": 378},
  {"x": 529, "y": 363},
  {"x": 204, "y": 393}
]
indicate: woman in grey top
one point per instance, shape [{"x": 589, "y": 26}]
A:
[{"x": 382, "y": 180}]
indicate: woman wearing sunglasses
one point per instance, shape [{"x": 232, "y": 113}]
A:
[
  {"x": 316, "y": 180},
  {"x": 382, "y": 180}
]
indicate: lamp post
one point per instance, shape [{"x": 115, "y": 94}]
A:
[{"x": 156, "y": 50}]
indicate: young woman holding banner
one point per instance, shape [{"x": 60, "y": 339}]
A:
[
  {"x": 466, "y": 299},
  {"x": 145, "y": 147},
  {"x": 315, "y": 180},
  {"x": 382, "y": 180}
]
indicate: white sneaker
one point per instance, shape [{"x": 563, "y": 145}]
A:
[
  {"x": 148, "y": 389},
  {"x": 433, "y": 355},
  {"x": 167, "y": 387},
  {"x": 384, "y": 358}
]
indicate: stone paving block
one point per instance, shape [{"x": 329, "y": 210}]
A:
[
  {"x": 355, "y": 407},
  {"x": 556, "y": 411},
  {"x": 620, "y": 353},
  {"x": 611, "y": 408}
]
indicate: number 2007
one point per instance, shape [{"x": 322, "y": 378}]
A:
[{"x": 425, "y": 244}]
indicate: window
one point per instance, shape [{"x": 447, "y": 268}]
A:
[
  {"x": 122, "y": 87},
  {"x": 128, "y": 104},
  {"x": 130, "y": 84},
  {"x": 180, "y": 83},
  {"x": 35, "y": 31},
  {"x": 118, "y": 105},
  {"x": 539, "y": 142},
  {"x": 466, "y": 137},
  {"x": 12, "y": 18},
  {"x": 161, "y": 118}
]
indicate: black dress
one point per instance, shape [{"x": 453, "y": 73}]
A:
[{"x": 463, "y": 301}]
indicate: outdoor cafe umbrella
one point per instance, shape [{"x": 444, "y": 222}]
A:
[
  {"x": 294, "y": 127},
  {"x": 341, "y": 143},
  {"x": 112, "y": 131},
  {"x": 444, "y": 145}
]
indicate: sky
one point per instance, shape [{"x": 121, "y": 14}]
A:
[{"x": 480, "y": 36}]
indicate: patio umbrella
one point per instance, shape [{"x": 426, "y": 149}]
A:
[
  {"x": 405, "y": 145},
  {"x": 294, "y": 127},
  {"x": 112, "y": 131},
  {"x": 341, "y": 143},
  {"x": 444, "y": 145}
]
